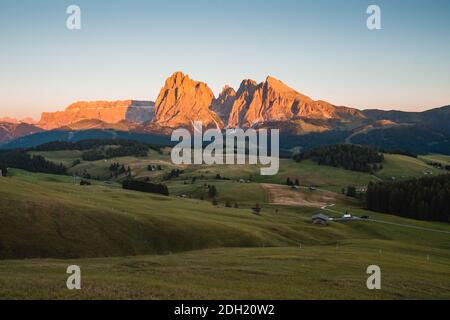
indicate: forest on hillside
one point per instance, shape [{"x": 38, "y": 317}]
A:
[
  {"x": 346, "y": 156},
  {"x": 135, "y": 185},
  {"x": 20, "y": 159},
  {"x": 97, "y": 149},
  {"x": 422, "y": 199},
  {"x": 415, "y": 139}
]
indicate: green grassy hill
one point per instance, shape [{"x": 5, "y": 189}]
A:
[
  {"x": 137, "y": 245},
  {"x": 445, "y": 160},
  {"x": 310, "y": 272},
  {"x": 307, "y": 172},
  {"x": 402, "y": 167},
  {"x": 49, "y": 216}
]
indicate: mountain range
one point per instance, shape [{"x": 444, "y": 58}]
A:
[{"x": 269, "y": 104}]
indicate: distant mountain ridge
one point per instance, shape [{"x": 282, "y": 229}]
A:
[
  {"x": 182, "y": 101},
  {"x": 11, "y": 131},
  {"x": 438, "y": 118},
  {"x": 269, "y": 104},
  {"x": 272, "y": 100},
  {"x": 106, "y": 111}
]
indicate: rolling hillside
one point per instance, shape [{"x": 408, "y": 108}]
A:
[
  {"x": 134, "y": 245},
  {"x": 48, "y": 216}
]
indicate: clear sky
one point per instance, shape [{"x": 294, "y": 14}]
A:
[{"x": 126, "y": 49}]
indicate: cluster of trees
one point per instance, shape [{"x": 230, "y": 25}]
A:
[
  {"x": 20, "y": 159},
  {"x": 86, "y": 175},
  {"x": 142, "y": 186},
  {"x": 257, "y": 209},
  {"x": 423, "y": 199},
  {"x": 4, "y": 170},
  {"x": 350, "y": 191},
  {"x": 212, "y": 191},
  {"x": 175, "y": 173},
  {"x": 228, "y": 204},
  {"x": 291, "y": 183},
  {"x": 100, "y": 153},
  {"x": 219, "y": 177},
  {"x": 347, "y": 156},
  {"x": 439, "y": 165},
  {"x": 84, "y": 183},
  {"x": 117, "y": 169}
]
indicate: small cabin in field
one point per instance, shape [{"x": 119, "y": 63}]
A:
[{"x": 320, "y": 219}]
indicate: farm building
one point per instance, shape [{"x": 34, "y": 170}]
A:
[{"x": 320, "y": 219}]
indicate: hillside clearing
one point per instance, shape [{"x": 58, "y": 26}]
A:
[{"x": 285, "y": 195}]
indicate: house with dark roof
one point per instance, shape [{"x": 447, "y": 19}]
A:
[{"x": 320, "y": 218}]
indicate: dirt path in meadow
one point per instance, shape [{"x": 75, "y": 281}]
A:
[{"x": 284, "y": 195}]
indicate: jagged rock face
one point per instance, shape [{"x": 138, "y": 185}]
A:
[
  {"x": 272, "y": 100},
  {"x": 182, "y": 101},
  {"x": 105, "y": 111},
  {"x": 242, "y": 102},
  {"x": 224, "y": 103},
  {"x": 10, "y": 131}
]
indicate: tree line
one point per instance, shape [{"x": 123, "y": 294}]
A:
[
  {"x": 90, "y": 144},
  {"x": 148, "y": 187},
  {"x": 20, "y": 159},
  {"x": 422, "y": 199},
  {"x": 4, "y": 170},
  {"x": 118, "y": 169},
  {"x": 101, "y": 153},
  {"x": 99, "y": 149},
  {"x": 175, "y": 173},
  {"x": 419, "y": 139},
  {"x": 347, "y": 156}
]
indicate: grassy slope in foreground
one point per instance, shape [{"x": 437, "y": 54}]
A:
[
  {"x": 310, "y": 272},
  {"x": 47, "y": 216}
]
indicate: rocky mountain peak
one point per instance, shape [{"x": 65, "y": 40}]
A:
[{"x": 182, "y": 101}]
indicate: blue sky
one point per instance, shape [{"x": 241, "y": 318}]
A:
[{"x": 126, "y": 49}]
